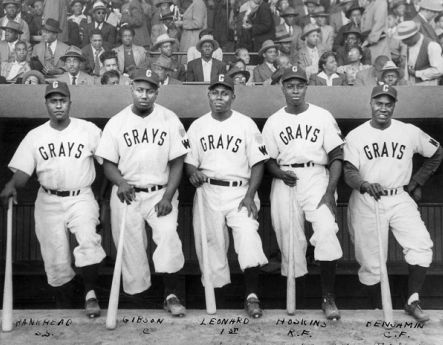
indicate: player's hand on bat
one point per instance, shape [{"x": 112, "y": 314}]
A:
[
  {"x": 289, "y": 178},
  {"x": 126, "y": 192},
  {"x": 328, "y": 199},
  {"x": 249, "y": 203},
  {"x": 197, "y": 178},
  {"x": 163, "y": 207},
  {"x": 373, "y": 189},
  {"x": 7, "y": 192}
]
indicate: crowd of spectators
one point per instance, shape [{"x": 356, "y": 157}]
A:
[{"x": 337, "y": 42}]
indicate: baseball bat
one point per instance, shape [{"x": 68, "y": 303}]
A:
[
  {"x": 111, "y": 317},
  {"x": 290, "y": 279},
  {"x": 384, "y": 280},
  {"x": 209, "y": 288},
  {"x": 7, "y": 291}
]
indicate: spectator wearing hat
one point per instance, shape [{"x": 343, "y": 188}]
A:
[
  {"x": 36, "y": 22},
  {"x": 206, "y": 68},
  {"x": 239, "y": 76},
  {"x": 133, "y": 15},
  {"x": 162, "y": 7},
  {"x": 194, "y": 20},
  {"x": 405, "y": 10},
  {"x": 78, "y": 18},
  {"x": 11, "y": 9},
  {"x": 289, "y": 28},
  {"x": 374, "y": 26},
  {"x": 391, "y": 75},
  {"x": 371, "y": 76},
  {"x": 33, "y": 77},
  {"x": 7, "y": 47},
  {"x": 130, "y": 55},
  {"x": 162, "y": 67},
  {"x": 327, "y": 65},
  {"x": 264, "y": 71},
  {"x": 166, "y": 26},
  {"x": 73, "y": 76},
  {"x": 57, "y": 10},
  {"x": 92, "y": 53},
  {"x": 326, "y": 31},
  {"x": 306, "y": 11},
  {"x": 98, "y": 23},
  {"x": 429, "y": 10},
  {"x": 260, "y": 25},
  {"x": 14, "y": 70},
  {"x": 165, "y": 45},
  {"x": 309, "y": 55},
  {"x": 424, "y": 64},
  {"x": 193, "y": 53},
  {"x": 50, "y": 49},
  {"x": 284, "y": 48},
  {"x": 352, "y": 39},
  {"x": 353, "y": 15}
]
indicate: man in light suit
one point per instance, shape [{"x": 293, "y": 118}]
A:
[
  {"x": 92, "y": 53},
  {"x": 50, "y": 49},
  {"x": 11, "y": 8},
  {"x": 326, "y": 31},
  {"x": 206, "y": 68},
  {"x": 429, "y": 9},
  {"x": 73, "y": 76},
  {"x": 309, "y": 55},
  {"x": 15, "y": 69},
  {"x": 108, "y": 31},
  {"x": 264, "y": 71},
  {"x": 129, "y": 55}
]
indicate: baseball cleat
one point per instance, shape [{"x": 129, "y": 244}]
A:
[
  {"x": 252, "y": 307},
  {"x": 414, "y": 309},
  {"x": 174, "y": 306},
  {"x": 329, "y": 308},
  {"x": 92, "y": 309}
]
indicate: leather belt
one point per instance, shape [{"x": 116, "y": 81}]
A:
[
  {"x": 62, "y": 193},
  {"x": 148, "y": 190},
  {"x": 299, "y": 165},
  {"x": 224, "y": 183}
]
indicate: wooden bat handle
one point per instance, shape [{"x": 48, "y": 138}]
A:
[
  {"x": 111, "y": 317},
  {"x": 7, "y": 291},
  {"x": 290, "y": 280}
]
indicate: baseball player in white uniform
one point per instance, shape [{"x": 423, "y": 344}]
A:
[
  {"x": 61, "y": 152},
  {"x": 378, "y": 165},
  {"x": 226, "y": 165},
  {"x": 305, "y": 146},
  {"x": 143, "y": 147}
]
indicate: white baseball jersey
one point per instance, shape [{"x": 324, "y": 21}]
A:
[
  {"x": 226, "y": 150},
  {"x": 385, "y": 156},
  {"x": 301, "y": 138},
  {"x": 142, "y": 147},
  {"x": 62, "y": 159}
]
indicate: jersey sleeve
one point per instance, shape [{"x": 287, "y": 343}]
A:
[
  {"x": 269, "y": 140},
  {"x": 193, "y": 156},
  {"x": 179, "y": 142},
  {"x": 333, "y": 136},
  {"x": 95, "y": 134},
  {"x": 425, "y": 144},
  {"x": 108, "y": 145},
  {"x": 350, "y": 152},
  {"x": 24, "y": 157},
  {"x": 255, "y": 145}
]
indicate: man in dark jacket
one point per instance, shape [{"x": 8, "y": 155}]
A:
[{"x": 261, "y": 25}]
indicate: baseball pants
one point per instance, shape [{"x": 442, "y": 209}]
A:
[
  {"x": 311, "y": 186},
  {"x": 220, "y": 208},
  {"x": 397, "y": 212},
  {"x": 167, "y": 257},
  {"x": 54, "y": 217}
]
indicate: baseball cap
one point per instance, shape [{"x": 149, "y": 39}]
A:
[
  {"x": 57, "y": 87},
  {"x": 146, "y": 75},
  {"x": 294, "y": 72},
  {"x": 222, "y": 79},
  {"x": 384, "y": 89}
]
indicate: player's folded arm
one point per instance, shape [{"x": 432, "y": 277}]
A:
[{"x": 430, "y": 165}]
